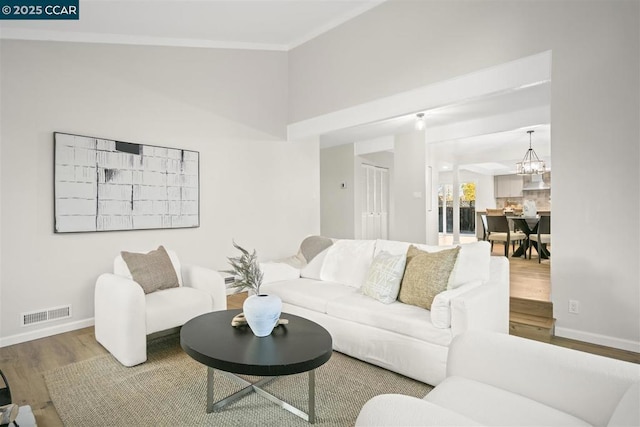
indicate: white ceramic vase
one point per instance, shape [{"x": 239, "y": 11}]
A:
[{"x": 262, "y": 313}]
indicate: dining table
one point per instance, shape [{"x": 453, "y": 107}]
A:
[{"x": 528, "y": 225}]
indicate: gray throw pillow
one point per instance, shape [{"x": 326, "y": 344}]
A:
[
  {"x": 313, "y": 245},
  {"x": 153, "y": 271}
]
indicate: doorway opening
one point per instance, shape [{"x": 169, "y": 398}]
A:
[{"x": 467, "y": 197}]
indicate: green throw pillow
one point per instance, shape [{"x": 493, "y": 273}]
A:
[
  {"x": 153, "y": 271},
  {"x": 384, "y": 276},
  {"x": 426, "y": 275}
]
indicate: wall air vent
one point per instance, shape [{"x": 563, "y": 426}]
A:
[{"x": 46, "y": 315}]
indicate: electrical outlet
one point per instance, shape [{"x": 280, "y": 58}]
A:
[{"x": 574, "y": 306}]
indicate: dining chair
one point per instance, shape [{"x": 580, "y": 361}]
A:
[
  {"x": 485, "y": 229},
  {"x": 542, "y": 237},
  {"x": 499, "y": 231}
]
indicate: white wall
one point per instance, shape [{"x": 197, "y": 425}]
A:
[
  {"x": 484, "y": 190},
  {"x": 595, "y": 115},
  {"x": 409, "y": 189},
  {"x": 228, "y": 105},
  {"x": 337, "y": 166}
]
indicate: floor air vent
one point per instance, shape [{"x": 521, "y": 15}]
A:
[{"x": 47, "y": 315}]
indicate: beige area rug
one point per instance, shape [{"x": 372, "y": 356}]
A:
[{"x": 170, "y": 390}]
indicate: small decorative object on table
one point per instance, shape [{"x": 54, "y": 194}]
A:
[
  {"x": 529, "y": 209},
  {"x": 240, "y": 320},
  {"x": 262, "y": 312}
]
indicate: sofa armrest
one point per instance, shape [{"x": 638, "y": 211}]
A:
[
  {"x": 581, "y": 384},
  {"x": 120, "y": 318},
  {"x": 400, "y": 410},
  {"x": 485, "y": 306},
  {"x": 278, "y": 271},
  {"x": 209, "y": 281}
]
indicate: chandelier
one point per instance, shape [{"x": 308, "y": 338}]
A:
[{"x": 530, "y": 164}]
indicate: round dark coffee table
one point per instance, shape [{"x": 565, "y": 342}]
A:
[{"x": 300, "y": 346}]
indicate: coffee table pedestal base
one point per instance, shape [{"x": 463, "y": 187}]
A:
[{"x": 256, "y": 387}]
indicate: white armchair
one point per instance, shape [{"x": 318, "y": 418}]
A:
[{"x": 125, "y": 315}]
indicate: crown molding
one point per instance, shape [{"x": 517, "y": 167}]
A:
[{"x": 80, "y": 37}]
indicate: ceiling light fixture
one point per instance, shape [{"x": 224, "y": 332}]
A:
[
  {"x": 530, "y": 164},
  {"x": 420, "y": 124}
]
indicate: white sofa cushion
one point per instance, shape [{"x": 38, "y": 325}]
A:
[
  {"x": 441, "y": 305},
  {"x": 392, "y": 246},
  {"x": 397, "y": 317},
  {"x": 399, "y": 410},
  {"x": 472, "y": 264},
  {"x": 493, "y": 406},
  {"x": 308, "y": 293},
  {"x": 312, "y": 269},
  {"x": 348, "y": 261},
  {"x": 384, "y": 277},
  {"x": 276, "y": 271},
  {"x": 627, "y": 412},
  {"x": 174, "y": 307}
]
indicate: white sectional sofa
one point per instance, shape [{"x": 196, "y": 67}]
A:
[
  {"x": 501, "y": 380},
  {"x": 403, "y": 338}
]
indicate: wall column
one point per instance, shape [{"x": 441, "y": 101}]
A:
[{"x": 455, "y": 190}]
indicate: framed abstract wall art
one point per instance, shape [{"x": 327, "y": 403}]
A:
[{"x": 106, "y": 185}]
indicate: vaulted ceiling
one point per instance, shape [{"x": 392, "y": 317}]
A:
[
  {"x": 284, "y": 24},
  {"x": 249, "y": 24}
]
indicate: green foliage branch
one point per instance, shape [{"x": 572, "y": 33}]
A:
[{"x": 246, "y": 270}]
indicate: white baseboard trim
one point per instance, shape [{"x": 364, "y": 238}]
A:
[
  {"x": 45, "y": 332},
  {"x": 604, "y": 340}
]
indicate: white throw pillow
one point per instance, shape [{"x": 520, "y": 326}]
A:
[
  {"x": 348, "y": 262},
  {"x": 441, "y": 305},
  {"x": 384, "y": 277},
  {"x": 312, "y": 270}
]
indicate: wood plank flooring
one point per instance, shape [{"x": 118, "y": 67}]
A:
[
  {"x": 528, "y": 278},
  {"x": 23, "y": 364}
]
